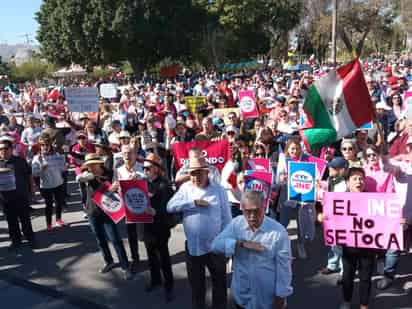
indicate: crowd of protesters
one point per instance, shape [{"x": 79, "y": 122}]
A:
[{"x": 132, "y": 137}]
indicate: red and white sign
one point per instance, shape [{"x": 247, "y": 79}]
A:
[
  {"x": 259, "y": 164},
  {"x": 135, "y": 200},
  {"x": 247, "y": 104},
  {"x": 109, "y": 202},
  {"x": 216, "y": 153}
]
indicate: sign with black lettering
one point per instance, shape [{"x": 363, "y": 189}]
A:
[{"x": 363, "y": 220}]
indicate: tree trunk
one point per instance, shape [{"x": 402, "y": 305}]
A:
[{"x": 137, "y": 66}]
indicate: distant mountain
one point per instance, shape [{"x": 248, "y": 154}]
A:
[{"x": 7, "y": 50}]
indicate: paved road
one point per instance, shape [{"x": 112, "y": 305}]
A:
[{"x": 67, "y": 261}]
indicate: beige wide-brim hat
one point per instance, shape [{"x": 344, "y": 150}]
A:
[
  {"x": 196, "y": 164},
  {"x": 91, "y": 158}
]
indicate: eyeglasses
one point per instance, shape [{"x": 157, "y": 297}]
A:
[
  {"x": 44, "y": 144},
  {"x": 82, "y": 137},
  {"x": 147, "y": 167},
  {"x": 4, "y": 148},
  {"x": 249, "y": 212},
  {"x": 347, "y": 148},
  {"x": 370, "y": 155}
]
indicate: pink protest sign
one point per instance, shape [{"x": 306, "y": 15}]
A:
[
  {"x": 259, "y": 181},
  {"x": 320, "y": 164},
  {"x": 259, "y": 164},
  {"x": 363, "y": 220},
  {"x": 247, "y": 104}
]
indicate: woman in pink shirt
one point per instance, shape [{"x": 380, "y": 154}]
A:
[{"x": 377, "y": 180}]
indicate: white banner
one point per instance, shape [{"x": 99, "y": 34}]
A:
[{"x": 82, "y": 100}]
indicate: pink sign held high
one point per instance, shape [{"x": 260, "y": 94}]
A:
[{"x": 363, "y": 220}]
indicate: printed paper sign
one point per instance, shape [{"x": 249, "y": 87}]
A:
[
  {"x": 55, "y": 161},
  {"x": 247, "y": 104},
  {"x": 363, "y": 220},
  {"x": 259, "y": 181},
  {"x": 108, "y": 91},
  {"x": 109, "y": 202},
  {"x": 216, "y": 153},
  {"x": 135, "y": 200},
  {"x": 82, "y": 100},
  {"x": 301, "y": 181}
]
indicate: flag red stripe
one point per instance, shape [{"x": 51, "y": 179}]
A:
[{"x": 355, "y": 91}]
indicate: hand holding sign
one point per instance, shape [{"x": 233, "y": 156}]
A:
[{"x": 150, "y": 211}]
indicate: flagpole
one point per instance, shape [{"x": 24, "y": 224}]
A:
[{"x": 334, "y": 22}]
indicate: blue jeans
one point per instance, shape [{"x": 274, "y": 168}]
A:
[
  {"x": 335, "y": 258},
  {"x": 104, "y": 231},
  {"x": 392, "y": 258}
]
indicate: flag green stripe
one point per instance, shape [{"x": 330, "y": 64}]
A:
[
  {"x": 316, "y": 138},
  {"x": 316, "y": 109}
]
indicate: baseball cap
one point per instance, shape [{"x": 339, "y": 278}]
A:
[{"x": 338, "y": 162}]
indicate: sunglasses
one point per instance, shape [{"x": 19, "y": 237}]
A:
[
  {"x": 5, "y": 148},
  {"x": 147, "y": 168},
  {"x": 347, "y": 149},
  {"x": 260, "y": 154},
  {"x": 82, "y": 137},
  {"x": 370, "y": 155},
  {"x": 44, "y": 144}
]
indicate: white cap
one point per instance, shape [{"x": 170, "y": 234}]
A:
[{"x": 124, "y": 134}]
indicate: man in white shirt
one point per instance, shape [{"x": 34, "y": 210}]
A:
[
  {"x": 131, "y": 169},
  {"x": 206, "y": 212},
  {"x": 260, "y": 247}
]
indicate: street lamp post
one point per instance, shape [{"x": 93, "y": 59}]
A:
[{"x": 334, "y": 22}]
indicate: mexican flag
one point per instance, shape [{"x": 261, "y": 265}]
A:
[
  {"x": 336, "y": 105},
  {"x": 54, "y": 93}
]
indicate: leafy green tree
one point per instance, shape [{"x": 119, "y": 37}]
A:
[{"x": 95, "y": 32}]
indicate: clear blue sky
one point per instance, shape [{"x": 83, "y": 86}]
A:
[{"x": 17, "y": 18}]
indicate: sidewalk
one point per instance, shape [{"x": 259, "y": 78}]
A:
[{"x": 22, "y": 294}]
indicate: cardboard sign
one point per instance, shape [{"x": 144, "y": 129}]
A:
[
  {"x": 216, "y": 153},
  {"x": 260, "y": 182},
  {"x": 301, "y": 181},
  {"x": 135, "y": 199},
  {"x": 223, "y": 113},
  {"x": 108, "y": 91},
  {"x": 109, "y": 202},
  {"x": 247, "y": 104},
  {"x": 193, "y": 103},
  {"x": 363, "y": 220},
  {"x": 82, "y": 100}
]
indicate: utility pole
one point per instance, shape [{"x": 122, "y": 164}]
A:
[{"x": 334, "y": 22}]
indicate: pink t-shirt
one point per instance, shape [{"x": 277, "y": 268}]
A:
[{"x": 377, "y": 180}]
